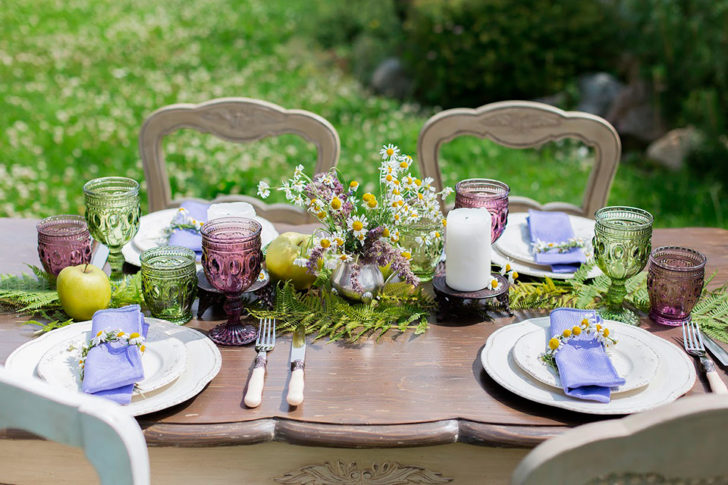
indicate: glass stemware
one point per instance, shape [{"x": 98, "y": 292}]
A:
[
  {"x": 112, "y": 214},
  {"x": 674, "y": 283},
  {"x": 491, "y": 194},
  {"x": 622, "y": 244},
  {"x": 169, "y": 282},
  {"x": 231, "y": 258},
  {"x": 63, "y": 241}
]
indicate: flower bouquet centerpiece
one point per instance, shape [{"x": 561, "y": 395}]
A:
[{"x": 363, "y": 233}]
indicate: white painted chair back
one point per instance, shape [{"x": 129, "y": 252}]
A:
[
  {"x": 112, "y": 440},
  {"x": 238, "y": 120},
  {"x": 680, "y": 443},
  {"x": 525, "y": 124}
]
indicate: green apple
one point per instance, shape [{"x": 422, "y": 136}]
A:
[
  {"x": 83, "y": 289},
  {"x": 281, "y": 253}
]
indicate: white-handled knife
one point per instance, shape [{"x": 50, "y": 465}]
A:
[{"x": 298, "y": 356}]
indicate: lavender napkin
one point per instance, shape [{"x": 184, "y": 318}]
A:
[
  {"x": 554, "y": 227},
  {"x": 188, "y": 238},
  {"x": 585, "y": 370},
  {"x": 112, "y": 368}
]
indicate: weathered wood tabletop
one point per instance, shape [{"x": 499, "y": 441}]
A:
[{"x": 403, "y": 390}]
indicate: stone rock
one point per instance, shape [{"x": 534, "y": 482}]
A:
[
  {"x": 635, "y": 116},
  {"x": 672, "y": 149},
  {"x": 597, "y": 92},
  {"x": 390, "y": 78}
]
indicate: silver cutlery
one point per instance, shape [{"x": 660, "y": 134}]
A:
[
  {"x": 715, "y": 349},
  {"x": 298, "y": 355},
  {"x": 264, "y": 344},
  {"x": 693, "y": 343}
]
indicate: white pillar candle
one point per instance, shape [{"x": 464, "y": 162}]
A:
[{"x": 467, "y": 249}]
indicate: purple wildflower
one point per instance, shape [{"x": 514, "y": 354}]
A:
[{"x": 312, "y": 264}]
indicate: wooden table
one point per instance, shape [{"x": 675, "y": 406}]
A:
[{"x": 418, "y": 403}]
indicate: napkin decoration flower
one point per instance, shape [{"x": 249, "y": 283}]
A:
[
  {"x": 102, "y": 337},
  {"x": 364, "y": 228},
  {"x": 560, "y": 247},
  {"x": 587, "y": 326}
]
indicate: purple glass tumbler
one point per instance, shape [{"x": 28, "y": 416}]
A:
[
  {"x": 63, "y": 241},
  {"x": 491, "y": 194},
  {"x": 231, "y": 259},
  {"x": 674, "y": 282}
]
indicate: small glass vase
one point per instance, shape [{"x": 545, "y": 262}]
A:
[
  {"x": 674, "y": 282},
  {"x": 169, "y": 282},
  {"x": 63, "y": 241},
  {"x": 424, "y": 242},
  {"x": 369, "y": 277}
]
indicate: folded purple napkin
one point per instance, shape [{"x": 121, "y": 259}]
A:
[
  {"x": 186, "y": 237},
  {"x": 585, "y": 370},
  {"x": 554, "y": 227},
  {"x": 112, "y": 369}
]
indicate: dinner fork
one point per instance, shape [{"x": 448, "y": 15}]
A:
[
  {"x": 693, "y": 343},
  {"x": 264, "y": 344}
]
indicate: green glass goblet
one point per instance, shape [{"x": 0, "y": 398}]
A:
[
  {"x": 169, "y": 282},
  {"x": 112, "y": 215},
  {"x": 622, "y": 244}
]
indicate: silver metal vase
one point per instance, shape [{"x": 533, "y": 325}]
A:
[{"x": 370, "y": 278}]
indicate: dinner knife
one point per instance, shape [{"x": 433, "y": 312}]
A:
[
  {"x": 715, "y": 349},
  {"x": 298, "y": 355}
]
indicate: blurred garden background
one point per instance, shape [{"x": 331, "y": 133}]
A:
[{"x": 78, "y": 78}]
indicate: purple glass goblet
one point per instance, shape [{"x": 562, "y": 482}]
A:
[
  {"x": 674, "y": 283},
  {"x": 63, "y": 241},
  {"x": 231, "y": 258},
  {"x": 491, "y": 194}
]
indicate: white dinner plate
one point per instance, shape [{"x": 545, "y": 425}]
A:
[
  {"x": 515, "y": 242},
  {"x": 163, "y": 361},
  {"x": 203, "y": 361},
  {"x": 634, "y": 361},
  {"x": 151, "y": 234},
  {"x": 675, "y": 373}
]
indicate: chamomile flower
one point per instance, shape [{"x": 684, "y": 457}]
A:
[
  {"x": 420, "y": 241},
  {"x": 338, "y": 240},
  {"x": 335, "y": 203},
  {"x": 357, "y": 225},
  {"x": 136, "y": 339},
  {"x": 298, "y": 171},
  {"x": 353, "y": 185},
  {"x": 263, "y": 189},
  {"x": 389, "y": 151},
  {"x": 345, "y": 258},
  {"x": 394, "y": 235},
  {"x": 446, "y": 192},
  {"x": 99, "y": 338},
  {"x": 262, "y": 276}
]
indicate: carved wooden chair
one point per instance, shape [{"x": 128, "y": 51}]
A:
[
  {"x": 682, "y": 442},
  {"x": 111, "y": 438},
  {"x": 525, "y": 124},
  {"x": 237, "y": 120}
]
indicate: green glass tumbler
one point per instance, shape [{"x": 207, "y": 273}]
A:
[
  {"x": 424, "y": 240},
  {"x": 112, "y": 215},
  {"x": 169, "y": 282},
  {"x": 622, "y": 245}
]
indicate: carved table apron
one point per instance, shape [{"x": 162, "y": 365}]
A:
[{"x": 405, "y": 409}]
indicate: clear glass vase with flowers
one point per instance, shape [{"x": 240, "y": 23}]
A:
[{"x": 365, "y": 231}]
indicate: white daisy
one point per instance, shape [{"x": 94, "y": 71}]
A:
[
  {"x": 357, "y": 225},
  {"x": 263, "y": 189},
  {"x": 389, "y": 151},
  {"x": 298, "y": 171}
]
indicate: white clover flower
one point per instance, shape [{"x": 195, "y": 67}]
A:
[{"x": 263, "y": 189}]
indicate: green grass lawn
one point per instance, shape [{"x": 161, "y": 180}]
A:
[{"x": 78, "y": 77}]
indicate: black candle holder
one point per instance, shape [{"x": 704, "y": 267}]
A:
[{"x": 470, "y": 303}]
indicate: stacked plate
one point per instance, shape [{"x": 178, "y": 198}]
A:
[
  {"x": 514, "y": 246},
  {"x": 656, "y": 371},
  {"x": 178, "y": 363},
  {"x": 152, "y": 234}
]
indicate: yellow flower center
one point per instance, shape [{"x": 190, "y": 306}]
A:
[
  {"x": 134, "y": 335},
  {"x": 325, "y": 243},
  {"x": 566, "y": 333},
  {"x": 385, "y": 232},
  {"x": 98, "y": 334},
  {"x": 143, "y": 348},
  {"x": 390, "y": 152},
  {"x": 396, "y": 216},
  {"x": 406, "y": 255},
  {"x": 396, "y": 182},
  {"x": 400, "y": 203},
  {"x": 372, "y": 203},
  {"x": 437, "y": 234},
  {"x": 599, "y": 328},
  {"x": 120, "y": 334},
  {"x": 321, "y": 215},
  {"x": 367, "y": 196},
  {"x": 554, "y": 343},
  {"x": 576, "y": 330},
  {"x": 420, "y": 196},
  {"x": 343, "y": 257},
  {"x": 585, "y": 321},
  {"x": 514, "y": 274},
  {"x": 493, "y": 283},
  {"x": 389, "y": 177},
  {"x": 396, "y": 192},
  {"x": 606, "y": 332},
  {"x": 357, "y": 226},
  {"x": 403, "y": 164},
  {"x": 339, "y": 241},
  {"x": 418, "y": 182},
  {"x": 508, "y": 267},
  {"x": 444, "y": 223},
  {"x": 354, "y": 184},
  {"x": 336, "y": 203}
]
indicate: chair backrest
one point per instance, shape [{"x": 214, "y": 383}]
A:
[
  {"x": 525, "y": 124},
  {"x": 111, "y": 438},
  {"x": 238, "y": 120},
  {"x": 682, "y": 442}
]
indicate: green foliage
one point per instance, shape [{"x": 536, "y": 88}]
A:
[
  {"x": 327, "y": 315},
  {"x": 711, "y": 312},
  {"x": 471, "y": 52},
  {"x": 129, "y": 292}
]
